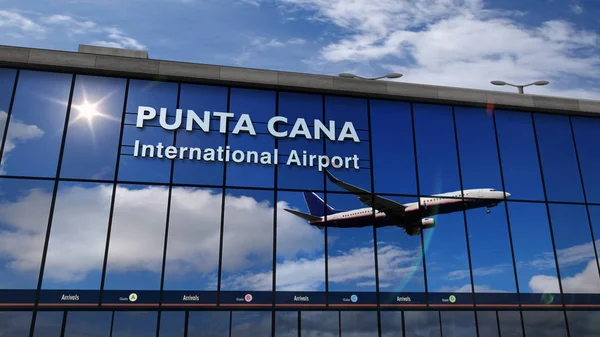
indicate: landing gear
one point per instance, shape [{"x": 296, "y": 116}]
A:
[{"x": 487, "y": 210}]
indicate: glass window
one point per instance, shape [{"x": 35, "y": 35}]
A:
[
  {"x": 200, "y": 98},
  {"x": 458, "y": 324},
  {"x": 595, "y": 218},
  {"x": 15, "y": 323},
  {"x": 544, "y": 323},
  {"x": 400, "y": 260},
  {"x": 393, "y": 147},
  {"x": 194, "y": 238},
  {"x": 574, "y": 249},
  {"x": 48, "y": 324},
  {"x": 248, "y": 323},
  {"x": 534, "y": 254},
  {"x": 75, "y": 252},
  {"x": 487, "y": 324},
  {"x": 438, "y": 166},
  {"x": 88, "y": 324},
  {"x": 300, "y": 245},
  {"x": 588, "y": 143},
  {"x": 351, "y": 257},
  {"x": 248, "y": 241},
  {"x": 7, "y": 82},
  {"x": 36, "y": 124},
  {"x": 584, "y": 323},
  {"x": 248, "y": 171},
  {"x": 352, "y": 123},
  {"x": 147, "y": 162},
  {"x": 134, "y": 323},
  {"x": 209, "y": 324},
  {"x": 359, "y": 323},
  {"x": 309, "y": 107},
  {"x": 138, "y": 229},
  {"x": 422, "y": 323},
  {"x": 518, "y": 152},
  {"x": 94, "y": 127},
  {"x": 510, "y": 324},
  {"x": 391, "y": 324},
  {"x": 24, "y": 210},
  {"x": 172, "y": 324},
  {"x": 320, "y": 324},
  {"x": 286, "y": 324},
  {"x": 559, "y": 162}
]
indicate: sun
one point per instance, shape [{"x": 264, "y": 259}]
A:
[{"x": 87, "y": 110}]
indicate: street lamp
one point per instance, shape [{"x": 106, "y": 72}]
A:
[
  {"x": 520, "y": 87},
  {"x": 392, "y": 75}
]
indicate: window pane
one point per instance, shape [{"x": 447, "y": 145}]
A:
[
  {"x": 134, "y": 323},
  {"x": 48, "y": 324},
  {"x": 518, "y": 152},
  {"x": 391, "y": 126},
  {"x": 320, "y": 324},
  {"x": 248, "y": 242},
  {"x": 194, "y": 238},
  {"x": 559, "y": 163},
  {"x": 94, "y": 126},
  {"x": 36, "y": 124},
  {"x": 286, "y": 324},
  {"x": 359, "y": 324},
  {"x": 458, "y": 324},
  {"x": 391, "y": 324},
  {"x": 309, "y": 107},
  {"x": 75, "y": 252},
  {"x": 588, "y": 143},
  {"x": 7, "y": 82},
  {"x": 15, "y": 324},
  {"x": 575, "y": 251},
  {"x": 354, "y": 110},
  {"x": 208, "y": 324},
  {"x": 150, "y": 165},
  {"x": 88, "y": 324},
  {"x": 422, "y": 323},
  {"x": 584, "y": 323},
  {"x": 510, "y": 324},
  {"x": 200, "y": 98},
  {"x": 487, "y": 323},
  {"x": 24, "y": 209},
  {"x": 246, "y": 323},
  {"x": 172, "y": 324},
  {"x": 595, "y": 218},
  {"x": 260, "y": 106},
  {"x": 544, "y": 324},
  {"x": 136, "y": 240},
  {"x": 532, "y": 244}
]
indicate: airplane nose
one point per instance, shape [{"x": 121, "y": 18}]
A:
[{"x": 507, "y": 195}]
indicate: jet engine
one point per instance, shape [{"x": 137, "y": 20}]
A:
[{"x": 428, "y": 222}]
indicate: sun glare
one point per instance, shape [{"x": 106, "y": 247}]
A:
[{"x": 87, "y": 110}]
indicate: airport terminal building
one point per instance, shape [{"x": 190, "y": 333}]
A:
[{"x": 141, "y": 197}]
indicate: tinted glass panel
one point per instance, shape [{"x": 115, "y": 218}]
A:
[
  {"x": 595, "y": 218},
  {"x": 487, "y": 323},
  {"x": 94, "y": 126},
  {"x": 250, "y": 324},
  {"x": 139, "y": 212},
  {"x": 422, "y": 323},
  {"x": 88, "y": 324},
  {"x": 36, "y": 126},
  {"x": 135, "y": 323},
  {"x": 391, "y": 324},
  {"x": 588, "y": 142},
  {"x": 194, "y": 238},
  {"x": 320, "y": 324},
  {"x": 209, "y": 324},
  {"x": 48, "y": 324},
  {"x": 260, "y": 106},
  {"x": 458, "y": 324},
  {"x": 358, "y": 323},
  {"x": 584, "y": 323},
  {"x": 200, "y": 98},
  {"x": 393, "y": 150},
  {"x": 559, "y": 162},
  {"x": 15, "y": 324},
  {"x": 520, "y": 165},
  {"x": 24, "y": 209},
  {"x": 510, "y": 324},
  {"x": 7, "y": 81},
  {"x": 286, "y": 324},
  {"x": 294, "y": 106},
  {"x": 172, "y": 324},
  {"x": 544, "y": 323},
  {"x": 75, "y": 252}
]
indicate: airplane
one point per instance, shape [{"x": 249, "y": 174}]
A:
[{"x": 412, "y": 217}]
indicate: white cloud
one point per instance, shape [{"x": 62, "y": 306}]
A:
[
  {"x": 117, "y": 39},
  {"x": 15, "y": 20},
  {"x": 482, "y": 271},
  {"x": 18, "y": 133},
  {"x": 585, "y": 282},
  {"x": 576, "y": 8},
  {"x": 467, "y": 288}
]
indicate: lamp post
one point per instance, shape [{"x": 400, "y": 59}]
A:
[
  {"x": 520, "y": 87},
  {"x": 349, "y": 75}
]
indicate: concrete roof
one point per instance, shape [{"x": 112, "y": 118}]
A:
[{"x": 94, "y": 60}]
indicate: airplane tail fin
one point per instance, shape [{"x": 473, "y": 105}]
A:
[{"x": 316, "y": 206}]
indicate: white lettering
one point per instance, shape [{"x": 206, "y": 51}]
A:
[
  {"x": 163, "y": 119},
  {"x": 244, "y": 124},
  {"x": 320, "y": 127},
  {"x": 203, "y": 124},
  {"x": 223, "y": 120},
  {"x": 301, "y": 298},
  {"x": 348, "y": 132},
  {"x": 300, "y": 124},
  {"x": 69, "y": 297},
  {"x": 145, "y": 113},
  {"x": 191, "y": 298},
  {"x": 271, "y": 126}
]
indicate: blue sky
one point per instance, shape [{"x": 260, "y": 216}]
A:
[{"x": 464, "y": 43}]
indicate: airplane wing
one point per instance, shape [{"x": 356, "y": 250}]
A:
[{"x": 381, "y": 204}]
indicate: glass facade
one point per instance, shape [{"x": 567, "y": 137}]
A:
[{"x": 142, "y": 208}]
